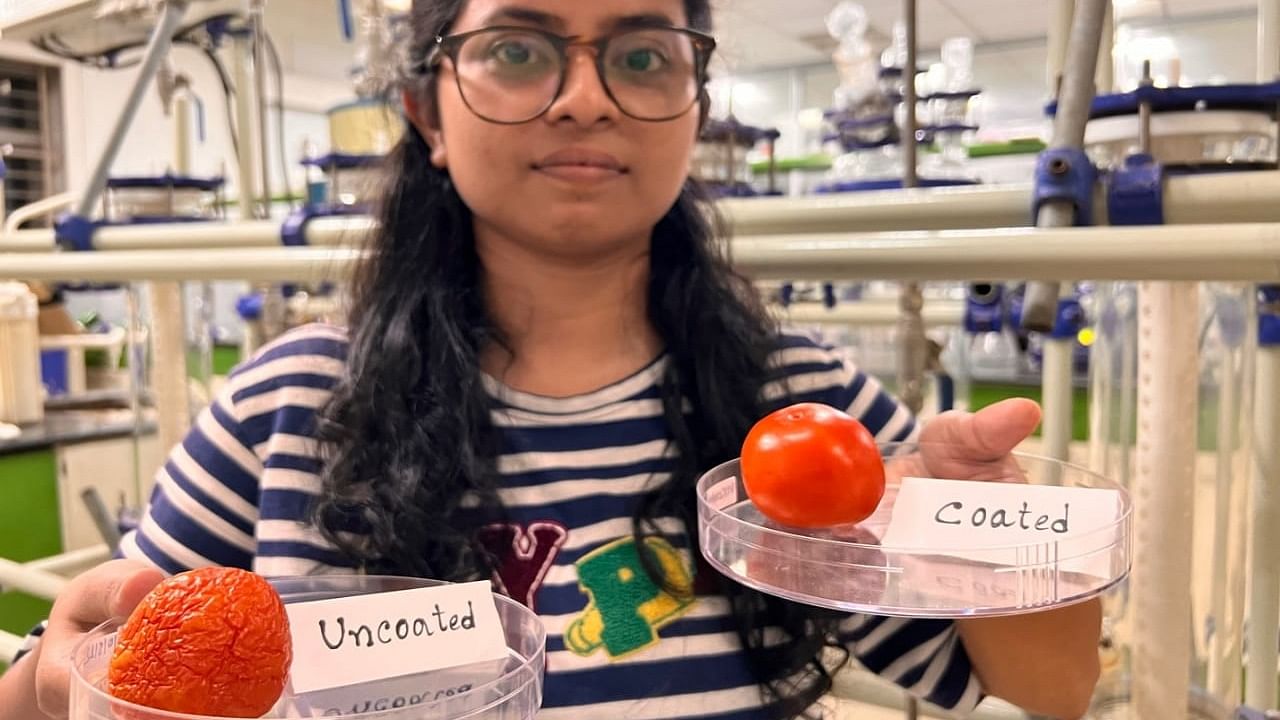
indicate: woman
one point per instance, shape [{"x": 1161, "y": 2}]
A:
[{"x": 545, "y": 351}]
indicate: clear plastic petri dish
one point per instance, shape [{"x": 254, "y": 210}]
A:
[
  {"x": 508, "y": 690},
  {"x": 849, "y": 568}
]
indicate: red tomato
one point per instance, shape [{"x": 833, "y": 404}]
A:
[{"x": 811, "y": 466}]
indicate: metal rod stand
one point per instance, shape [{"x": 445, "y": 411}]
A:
[
  {"x": 912, "y": 343},
  {"x": 156, "y": 54},
  {"x": 1075, "y": 97}
]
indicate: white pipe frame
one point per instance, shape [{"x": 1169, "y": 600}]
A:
[
  {"x": 1203, "y": 200},
  {"x": 1244, "y": 252},
  {"x": 10, "y": 646},
  {"x": 1263, "y": 610},
  {"x": 32, "y": 581}
]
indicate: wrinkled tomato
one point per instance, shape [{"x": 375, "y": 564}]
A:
[
  {"x": 213, "y": 641},
  {"x": 811, "y": 466}
]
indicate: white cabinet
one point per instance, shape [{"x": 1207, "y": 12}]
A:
[{"x": 121, "y": 469}]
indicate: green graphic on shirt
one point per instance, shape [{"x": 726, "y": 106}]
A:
[{"x": 627, "y": 608}]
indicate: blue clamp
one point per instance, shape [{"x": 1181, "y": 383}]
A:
[
  {"x": 218, "y": 28},
  {"x": 293, "y": 233},
  {"x": 1069, "y": 321},
  {"x": 1065, "y": 174},
  {"x": 249, "y": 307},
  {"x": 1135, "y": 192},
  {"x": 1269, "y": 315},
  {"x": 787, "y": 294},
  {"x": 829, "y": 296},
  {"x": 984, "y": 309},
  {"x": 75, "y": 233}
]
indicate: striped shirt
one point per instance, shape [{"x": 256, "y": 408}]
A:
[{"x": 238, "y": 492}]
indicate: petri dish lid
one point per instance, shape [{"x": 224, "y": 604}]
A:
[
  {"x": 508, "y": 690},
  {"x": 847, "y": 568}
]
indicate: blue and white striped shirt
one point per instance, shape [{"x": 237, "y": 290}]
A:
[{"x": 239, "y": 489}]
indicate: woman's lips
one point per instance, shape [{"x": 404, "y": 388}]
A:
[{"x": 581, "y": 165}]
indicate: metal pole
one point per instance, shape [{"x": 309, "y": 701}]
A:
[
  {"x": 242, "y": 68},
  {"x": 1059, "y": 38},
  {"x": 1040, "y": 309},
  {"x": 1144, "y": 111},
  {"x": 1268, "y": 40},
  {"x": 156, "y": 54},
  {"x": 1104, "y": 77},
  {"x": 1057, "y": 396},
  {"x": 1075, "y": 97},
  {"x": 257, "y": 14},
  {"x": 912, "y": 343}
]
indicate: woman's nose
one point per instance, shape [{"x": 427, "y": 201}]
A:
[{"x": 583, "y": 99}]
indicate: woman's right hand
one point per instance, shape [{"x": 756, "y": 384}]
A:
[{"x": 108, "y": 592}]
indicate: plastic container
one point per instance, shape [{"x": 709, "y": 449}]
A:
[
  {"x": 848, "y": 569},
  {"x": 364, "y": 127},
  {"x": 1113, "y": 701},
  {"x": 510, "y": 692},
  {"x": 21, "y": 397},
  {"x": 1213, "y": 138},
  {"x": 62, "y": 362}
]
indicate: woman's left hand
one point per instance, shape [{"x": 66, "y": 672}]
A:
[
  {"x": 971, "y": 446},
  {"x": 1045, "y": 662}
]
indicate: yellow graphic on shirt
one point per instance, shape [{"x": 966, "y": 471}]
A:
[{"x": 627, "y": 608}]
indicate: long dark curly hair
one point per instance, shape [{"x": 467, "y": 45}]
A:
[{"x": 408, "y": 433}]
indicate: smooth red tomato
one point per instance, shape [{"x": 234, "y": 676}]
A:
[{"x": 810, "y": 466}]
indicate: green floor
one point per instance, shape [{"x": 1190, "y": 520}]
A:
[
  {"x": 29, "y": 528},
  {"x": 982, "y": 395},
  {"x": 225, "y": 357}
]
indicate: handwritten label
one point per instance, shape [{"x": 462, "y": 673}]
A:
[
  {"x": 723, "y": 494},
  {"x": 94, "y": 657},
  {"x": 961, "y": 518},
  {"x": 365, "y": 638},
  {"x": 396, "y": 693}
]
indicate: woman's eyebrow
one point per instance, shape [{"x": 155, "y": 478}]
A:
[
  {"x": 528, "y": 16},
  {"x": 550, "y": 21},
  {"x": 642, "y": 20}
]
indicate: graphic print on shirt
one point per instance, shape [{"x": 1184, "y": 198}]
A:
[
  {"x": 527, "y": 554},
  {"x": 626, "y": 607}
]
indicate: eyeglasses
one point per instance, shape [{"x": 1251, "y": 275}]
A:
[{"x": 512, "y": 75}]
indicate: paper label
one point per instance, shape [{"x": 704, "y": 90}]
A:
[
  {"x": 397, "y": 693},
  {"x": 366, "y": 638},
  {"x": 723, "y": 494},
  {"x": 958, "y": 518}
]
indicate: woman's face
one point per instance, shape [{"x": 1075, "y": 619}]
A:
[{"x": 584, "y": 179}]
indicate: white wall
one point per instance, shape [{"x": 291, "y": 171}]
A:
[{"x": 314, "y": 57}]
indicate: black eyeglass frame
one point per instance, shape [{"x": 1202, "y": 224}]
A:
[{"x": 450, "y": 45}]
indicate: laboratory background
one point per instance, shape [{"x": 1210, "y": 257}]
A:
[{"x": 1074, "y": 201}]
